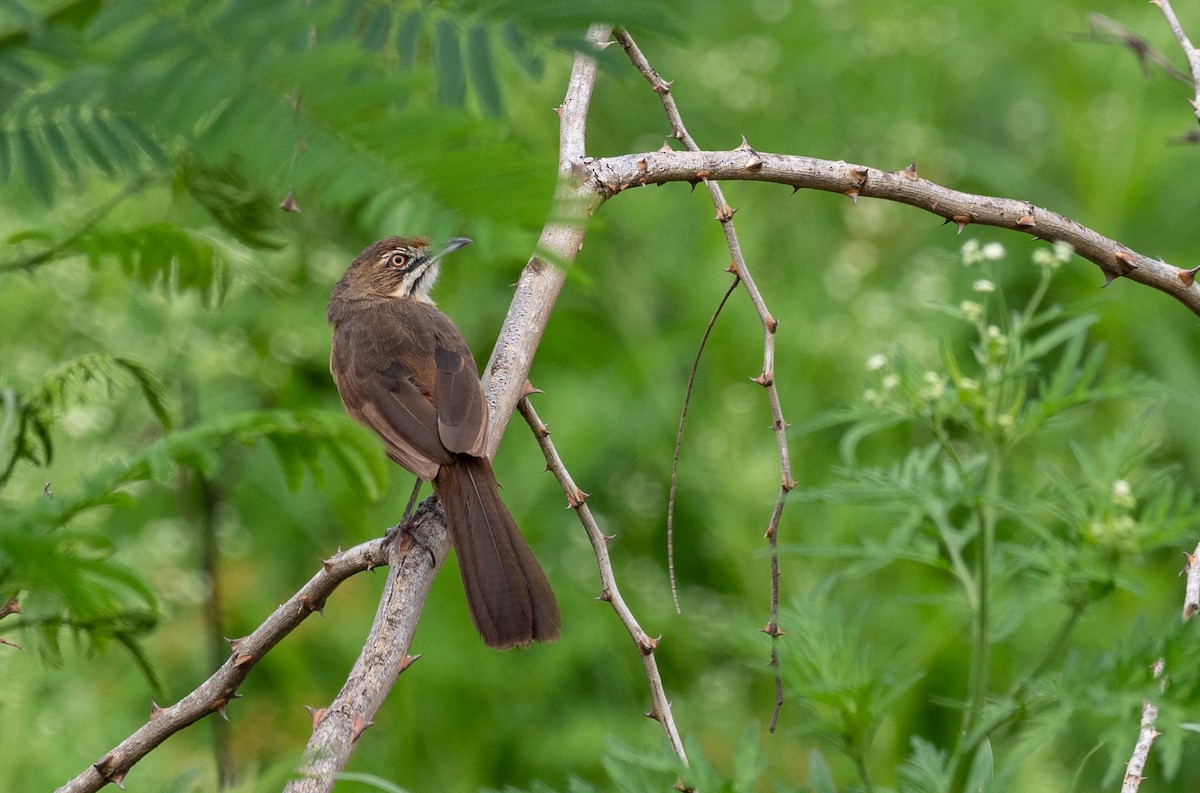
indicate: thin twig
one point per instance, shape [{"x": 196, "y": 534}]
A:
[
  {"x": 12, "y": 606},
  {"x": 1146, "y": 737},
  {"x": 1191, "y": 599},
  {"x": 687, "y": 398},
  {"x": 1193, "y": 57},
  {"x": 577, "y": 499},
  {"x": 215, "y": 693},
  {"x": 1104, "y": 30},
  {"x": 767, "y": 377}
]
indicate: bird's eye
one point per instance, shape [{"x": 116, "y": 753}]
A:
[{"x": 398, "y": 259}]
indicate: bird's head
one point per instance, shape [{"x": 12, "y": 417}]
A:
[{"x": 399, "y": 267}]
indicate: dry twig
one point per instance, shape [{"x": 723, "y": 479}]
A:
[
  {"x": 1134, "y": 770},
  {"x": 577, "y": 499},
  {"x": 1189, "y": 52},
  {"x": 13, "y": 606},
  {"x": 687, "y": 398},
  {"x": 1109, "y": 31},
  {"x": 766, "y": 377}
]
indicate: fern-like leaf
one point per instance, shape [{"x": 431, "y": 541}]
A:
[
  {"x": 162, "y": 254},
  {"x": 27, "y": 423}
]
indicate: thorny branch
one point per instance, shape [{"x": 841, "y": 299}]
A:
[
  {"x": 766, "y": 377},
  {"x": 612, "y": 175},
  {"x": 1147, "y": 734},
  {"x": 609, "y": 592},
  {"x": 337, "y": 728}
]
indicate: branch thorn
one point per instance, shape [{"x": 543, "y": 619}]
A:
[{"x": 317, "y": 714}]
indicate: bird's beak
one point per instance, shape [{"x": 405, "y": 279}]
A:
[{"x": 450, "y": 246}]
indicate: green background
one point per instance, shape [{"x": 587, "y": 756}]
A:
[{"x": 436, "y": 118}]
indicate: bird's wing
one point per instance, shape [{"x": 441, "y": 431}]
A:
[
  {"x": 461, "y": 408},
  {"x": 377, "y": 365}
]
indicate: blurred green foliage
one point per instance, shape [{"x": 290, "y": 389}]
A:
[{"x": 993, "y": 488}]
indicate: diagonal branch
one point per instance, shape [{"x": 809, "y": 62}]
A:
[
  {"x": 575, "y": 200},
  {"x": 661, "y": 707}
]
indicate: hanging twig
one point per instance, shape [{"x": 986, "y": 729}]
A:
[
  {"x": 687, "y": 398},
  {"x": 766, "y": 377}
]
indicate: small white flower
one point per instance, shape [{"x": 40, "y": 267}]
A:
[
  {"x": 967, "y": 384},
  {"x": 890, "y": 381},
  {"x": 876, "y": 362},
  {"x": 983, "y": 286},
  {"x": 997, "y": 342},
  {"x": 993, "y": 251},
  {"x": 971, "y": 253},
  {"x": 1122, "y": 494},
  {"x": 934, "y": 386},
  {"x": 1063, "y": 251},
  {"x": 971, "y": 310},
  {"x": 1044, "y": 258}
]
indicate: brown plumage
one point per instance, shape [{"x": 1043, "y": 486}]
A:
[{"x": 404, "y": 370}]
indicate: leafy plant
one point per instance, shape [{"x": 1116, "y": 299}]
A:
[{"x": 988, "y": 503}]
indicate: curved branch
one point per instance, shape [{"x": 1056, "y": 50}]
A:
[{"x": 611, "y": 175}]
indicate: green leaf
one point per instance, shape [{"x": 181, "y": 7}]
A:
[
  {"x": 408, "y": 38},
  {"x": 5, "y": 156},
  {"x": 375, "y": 33},
  {"x": 518, "y": 45},
  {"x": 448, "y": 64},
  {"x": 139, "y": 136},
  {"x": 483, "y": 71},
  {"x": 819, "y": 775},
  {"x": 59, "y": 148},
  {"x": 113, "y": 142},
  {"x": 88, "y": 139},
  {"x": 37, "y": 171}
]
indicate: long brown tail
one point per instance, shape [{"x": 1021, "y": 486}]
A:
[{"x": 509, "y": 598}]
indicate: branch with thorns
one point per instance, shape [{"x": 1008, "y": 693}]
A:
[
  {"x": 766, "y": 378},
  {"x": 585, "y": 183}
]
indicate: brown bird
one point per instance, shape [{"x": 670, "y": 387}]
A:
[{"x": 404, "y": 371}]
